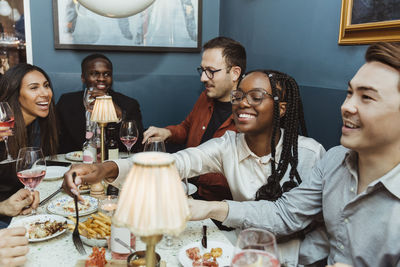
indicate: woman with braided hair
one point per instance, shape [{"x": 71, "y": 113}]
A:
[
  {"x": 265, "y": 159},
  {"x": 268, "y": 113}
]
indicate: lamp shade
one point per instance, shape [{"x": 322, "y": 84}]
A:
[
  {"x": 116, "y": 8},
  {"x": 103, "y": 110},
  {"x": 152, "y": 200}
]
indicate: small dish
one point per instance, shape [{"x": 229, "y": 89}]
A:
[
  {"x": 93, "y": 242},
  {"x": 74, "y": 156},
  {"x": 55, "y": 172},
  {"x": 64, "y": 206},
  {"x": 224, "y": 260}
]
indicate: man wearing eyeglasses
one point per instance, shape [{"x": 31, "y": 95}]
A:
[
  {"x": 97, "y": 73},
  {"x": 223, "y": 61}
]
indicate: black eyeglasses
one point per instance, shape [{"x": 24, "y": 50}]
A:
[
  {"x": 254, "y": 97},
  {"x": 209, "y": 73}
]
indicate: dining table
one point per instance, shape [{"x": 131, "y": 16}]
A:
[{"x": 60, "y": 250}]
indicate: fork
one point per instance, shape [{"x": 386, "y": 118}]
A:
[{"x": 75, "y": 235}]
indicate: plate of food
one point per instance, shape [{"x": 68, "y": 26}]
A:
[
  {"x": 192, "y": 188},
  {"x": 216, "y": 254},
  {"x": 74, "y": 156},
  {"x": 42, "y": 227},
  {"x": 55, "y": 172},
  {"x": 94, "y": 231},
  {"x": 65, "y": 206}
]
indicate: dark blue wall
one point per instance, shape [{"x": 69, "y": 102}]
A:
[
  {"x": 299, "y": 38},
  {"x": 165, "y": 84}
]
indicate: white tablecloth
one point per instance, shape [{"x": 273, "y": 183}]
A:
[{"x": 60, "y": 251}]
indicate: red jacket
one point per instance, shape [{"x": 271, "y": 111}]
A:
[{"x": 211, "y": 186}]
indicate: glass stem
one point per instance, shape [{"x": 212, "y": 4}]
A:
[{"x": 5, "y": 138}]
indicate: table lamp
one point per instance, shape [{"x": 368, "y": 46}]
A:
[
  {"x": 103, "y": 113},
  {"x": 152, "y": 201}
]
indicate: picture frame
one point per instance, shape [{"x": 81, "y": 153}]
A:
[
  {"x": 369, "y": 21},
  {"x": 166, "y": 26}
]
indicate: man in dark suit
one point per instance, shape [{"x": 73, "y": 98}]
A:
[{"x": 96, "y": 73}]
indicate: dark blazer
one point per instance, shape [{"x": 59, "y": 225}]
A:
[{"x": 72, "y": 123}]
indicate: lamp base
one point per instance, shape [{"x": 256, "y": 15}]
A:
[{"x": 151, "y": 242}]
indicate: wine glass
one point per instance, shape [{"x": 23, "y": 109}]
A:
[
  {"x": 87, "y": 97},
  {"x": 154, "y": 144},
  {"x": 256, "y": 247},
  {"x": 31, "y": 167},
  {"x": 128, "y": 133},
  {"x": 6, "y": 120}
]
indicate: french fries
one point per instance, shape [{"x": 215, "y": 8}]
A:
[{"x": 97, "y": 226}]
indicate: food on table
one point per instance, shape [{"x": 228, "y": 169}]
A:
[
  {"x": 37, "y": 230},
  {"x": 97, "y": 226},
  {"x": 210, "y": 262},
  {"x": 138, "y": 262},
  {"x": 97, "y": 258},
  {"x": 77, "y": 155},
  {"x": 83, "y": 187},
  {"x": 193, "y": 253},
  {"x": 208, "y": 258},
  {"x": 216, "y": 252},
  {"x": 70, "y": 206}
]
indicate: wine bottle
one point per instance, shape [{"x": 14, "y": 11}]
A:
[{"x": 112, "y": 151}]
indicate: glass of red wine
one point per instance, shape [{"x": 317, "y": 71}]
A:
[
  {"x": 31, "y": 167},
  {"x": 6, "y": 120},
  {"x": 128, "y": 133},
  {"x": 256, "y": 247}
]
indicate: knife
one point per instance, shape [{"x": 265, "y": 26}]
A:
[
  {"x": 44, "y": 201},
  {"x": 204, "y": 239}
]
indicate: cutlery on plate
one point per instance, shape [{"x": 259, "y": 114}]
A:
[
  {"x": 44, "y": 201},
  {"x": 204, "y": 239},
  {"x": 75, "y": 235}
]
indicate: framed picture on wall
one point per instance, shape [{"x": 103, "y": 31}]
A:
[
  {"x": 369, "y": 21},
  {"x": 166, "y": 26}
]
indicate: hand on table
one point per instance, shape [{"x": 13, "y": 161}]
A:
[
  {"x": 200, "y": 210},
  {"x": 13, "y": 246},
  {"x": 161, "y": 133},
  {"x": 17, "y": 203},
  {"x": 5, "y": 131},
  {"x": 88, "y": 173}
]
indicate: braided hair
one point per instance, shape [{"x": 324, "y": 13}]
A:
[{"x": 293, "y": 124}]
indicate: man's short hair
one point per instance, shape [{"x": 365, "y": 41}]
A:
[
  {"x": 385, "y": 53},
  {"x": 90, "y": 58},
  {"x": 233, "y": 52}
]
